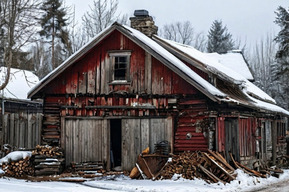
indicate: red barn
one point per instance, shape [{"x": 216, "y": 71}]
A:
[{"x": 126, "y": 90}]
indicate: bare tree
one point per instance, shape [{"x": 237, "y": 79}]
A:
[
  {"x": 17, "y": 27},
  {"x": 262, "y": 61},
  {"x": 40, "y": 58},
  {"x": 183, "y": 32},
  {"x": 101, "y": 15}
]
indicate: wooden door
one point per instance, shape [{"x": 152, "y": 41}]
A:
[
  {"x": 232, "y": 138},
  {"x": 138, "y": 134},
  {"x": 85, "y": 139}
]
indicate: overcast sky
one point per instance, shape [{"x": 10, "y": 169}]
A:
[{"x": 248, "y": 20}]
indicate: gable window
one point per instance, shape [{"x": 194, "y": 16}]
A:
[
  {"x": 120, "y": 63},
  {"x": 120, "y": 67}
]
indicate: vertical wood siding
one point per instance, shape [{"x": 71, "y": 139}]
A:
[
  {"x": 247, "y": 131},
  {"x": 22, "y": 130},
  {"x": 138, "y": 134},
  {"x": 91, "y": 74},
  {"x": 85, "y": 140}
]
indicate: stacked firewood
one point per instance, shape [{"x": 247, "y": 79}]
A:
[
  {"x": 19, "y": 168},
  {"x": 88, "y": 166},
  {"x": 47, "y": 151},
  {"x": 48, "y": 160},
  {"x": 184, "y": 164}
]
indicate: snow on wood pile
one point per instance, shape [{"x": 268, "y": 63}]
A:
[
  {"x": 48, "y": 160},
  {"x": 44, "y": 160},
  {"x": 17, "y": 164}
]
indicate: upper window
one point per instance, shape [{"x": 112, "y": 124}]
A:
[{"x": 120, "y": 66}]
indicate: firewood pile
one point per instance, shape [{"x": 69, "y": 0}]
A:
[
  {"x": 208, "y": 166},
  {"x": 48, "y": 160},
  {"x": 19, "y": 168},
  {"x": 88, "y": 166}
]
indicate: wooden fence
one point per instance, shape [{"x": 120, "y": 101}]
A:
[{"x": 21, "y": 130}]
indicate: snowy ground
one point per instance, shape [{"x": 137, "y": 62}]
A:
[{"x": 123, "y": 183}]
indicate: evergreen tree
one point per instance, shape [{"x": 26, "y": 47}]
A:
[
  {"x": 53, "y": 23},
  {"x": 282, "y": 56},
  {"x": 219, "y": 39}
]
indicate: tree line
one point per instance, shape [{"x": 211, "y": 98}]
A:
[{"x": 39, "y": 35}]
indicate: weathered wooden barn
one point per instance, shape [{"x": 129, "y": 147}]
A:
[
  {"x": 128, "y": 89},
  {"x": 21, "y": 119}
]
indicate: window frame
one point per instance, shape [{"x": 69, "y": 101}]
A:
[{"x": 112, "y": 56}]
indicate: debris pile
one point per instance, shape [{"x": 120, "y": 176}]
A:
[
  {"x": 210, "y": 166},
  {"x": 48, "y": 160}
]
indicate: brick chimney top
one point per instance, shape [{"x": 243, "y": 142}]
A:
[{"x": 144, "y": 23}]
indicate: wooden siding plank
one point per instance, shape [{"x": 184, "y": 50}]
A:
[
  {"x": 169, "y": 132},
  {"x": 17, "y": 131},
  {"x": 148, "y": 73},
  {"x": 144, "y": 133},
  {"x": 106, "y": 73},
  {"x": 91, "y": 81},
  {"x": 82, "y": 82},
  {"x": 136, "y": 142},
  {"x": 98, "y": 75},
  {"x": 29, "y": 131},
  {"x": 63, "y": 133},
  {"x": 6, "y": 132}
]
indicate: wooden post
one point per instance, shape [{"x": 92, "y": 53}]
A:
[{"x": 274, "y": 142}]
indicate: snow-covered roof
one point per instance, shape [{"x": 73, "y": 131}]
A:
[
  {"x": 234, "y": 60},
  {"x": 154, "y": 48},
  {"x": 175, "y": 62},
  {"x": 256, "y": 97},
  {"x": 20, "y": 82},
  {"x": 158, "y": 48}
]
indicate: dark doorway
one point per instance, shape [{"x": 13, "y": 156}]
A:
[{"x": 115, "y": 142}]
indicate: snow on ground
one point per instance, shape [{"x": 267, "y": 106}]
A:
[
  {"x": 17, "y": 185},
  {"x": 123, "y": 183},
  {"x": 242, "y": 183}
]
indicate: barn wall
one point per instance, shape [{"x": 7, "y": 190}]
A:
[
  {"x": 192, "y": 125},
  {"x": 247, "y": 132},
  {"x": 90, "y": 75},
  {"x": 84, "y": 89},
  {"x": 237, "y": 135},
  {"x": 88, "y": 139}
]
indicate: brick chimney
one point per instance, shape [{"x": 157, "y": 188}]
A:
[{"x": 144, "y": 23}]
